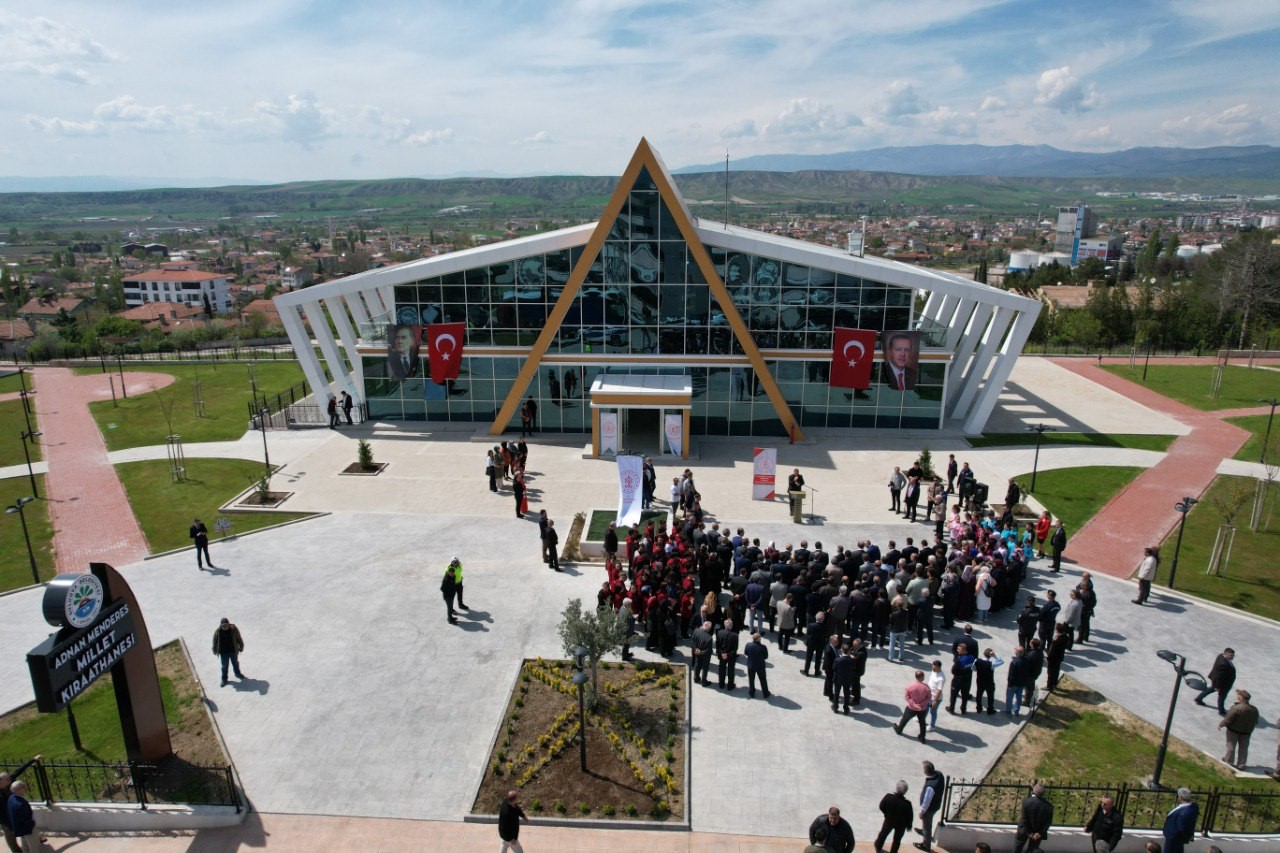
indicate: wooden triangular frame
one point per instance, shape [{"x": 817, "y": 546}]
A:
[{"x": 645, "y": 157}]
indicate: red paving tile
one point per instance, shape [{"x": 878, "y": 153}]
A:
[
  {"x": 1142, "y": 513},
  {"x": 88, "y": 508}
]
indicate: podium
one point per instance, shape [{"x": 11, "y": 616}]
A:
[{"x": 797, "y": 503}]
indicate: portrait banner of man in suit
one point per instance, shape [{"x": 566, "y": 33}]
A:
[
  {"x": 901, "y": 360},
  {"x": 402, "y": 350}
]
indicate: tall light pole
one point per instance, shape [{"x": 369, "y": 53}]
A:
[
  {"x": 1195, "y": 681},
  {"x": 1039, "y": 430},
  {"x": 1147, "y": 361},
  {"x": 581, "y": 678},
  {"x": 30, "y": 436},
  {"x": 26, "y": 405},
  {"x": 263, "y": 414},
  {"x": 1272, "y": 403},
  {"x": 1183, "y": 506},
  {"x": 17, "y": 507}
]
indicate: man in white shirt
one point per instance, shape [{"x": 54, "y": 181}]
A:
[
  {"x": 936, "y": 681},
  {"x": 1146, "y": 574}
]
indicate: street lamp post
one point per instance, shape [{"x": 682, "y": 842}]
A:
[
  {"x": 1195, "y": 681},
  {"x": 1183, "y": 507},
  {"x": 1147, "y": 361},
  {"x": 1272, "y": 403},
  {"x": 26, "y": 451},
  {"x": 26, "y": 406},
  {"x": 1039, "y": 430},
  {"x": 263, "y": 414},
  {"x": 581, "y": 678},
  {"x": 17, "y": 507}
]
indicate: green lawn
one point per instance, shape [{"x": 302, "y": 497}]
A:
[
  {"x": 1092, "y": 439},
  {"x": 1076, "y": 494},
  {"x": 139, "y": 420},
  {"x": 15, "y": 565},
  {"x": 12, "y": 425},
  {"x": 1257, "y": 424},
  {"x": 600, "y": 523},
  {"x": 12, "y": 384},
  {"x": 165, "y": 509},
  {"x": 1251, "y": 582},
  {"x": 1190, "y": 383}
]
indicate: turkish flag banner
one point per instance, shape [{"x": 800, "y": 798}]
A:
[
  {"x": 444, "y": 350},
  {"x": 852, "y": 356}
]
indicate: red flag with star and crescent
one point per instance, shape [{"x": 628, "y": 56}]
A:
[
  {"x": 444, "y": 350},
  {"x": 852, "y": 357}
]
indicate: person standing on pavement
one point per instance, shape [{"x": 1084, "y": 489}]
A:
[
  {"x": 937, "y": 680},
  {"x": 1088, "y": 602},
  {"x": 553, "y": 545},
  {"x": 1058, "y": 542},
  {"x": 332, "y": 408},
  {"x": 727, "y": 654},
  {"x": 1239, "y": 723},
  {"x": 200, "y": 535},
  {"x": 897, "y": 482},
  {"x": 756, "y": 654},
  {"x": 449, "y": 589},
  {"x": 930, "y": 803},
  {"x": 1034, "y": 820},
  {"x": 1221, "y": 678},
  {"x": 347, "y": 405},
  {"x": 6, "y": 789},
  {"x": 22, "y": 820},
  {"x": 509, "y": 817},
  {"x": 701, "y": 645},
  {"x": 611, "y": 542},
  {"x": 227, "y": 645},
  {"x": 839, "y": 835},
  {"x": 1106, "y": 826},
  {"x": 456, "y": 565},
  {"x": 1180, "y": 823},
  {"x": 898, "y": 817},
  {"x": 542, "y": 532},
  {"x": 795, "y": 483},
  {"x": 1147, "y": 573},
  {"x": 916, "y": 697}
]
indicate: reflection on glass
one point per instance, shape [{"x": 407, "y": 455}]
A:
[{"x": 644, "y": 263}]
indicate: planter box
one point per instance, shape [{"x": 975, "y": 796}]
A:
[
  {"x": 593, "y": 549},
  {"x": 355, "y": 469}
]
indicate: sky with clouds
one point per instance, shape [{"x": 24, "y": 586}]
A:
[{"x": 277, "y": 90}]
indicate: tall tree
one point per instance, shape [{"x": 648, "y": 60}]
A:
[{"x": 1249, "y": 267}]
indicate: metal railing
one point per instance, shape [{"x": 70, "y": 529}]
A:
[
  {"x": 1223, "y": 811},
  {"x": 172, "y": 781},
  {"x": 275, "y": 403}
]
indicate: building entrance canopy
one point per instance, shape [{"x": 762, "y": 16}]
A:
[{"x": 611, "y": 391}]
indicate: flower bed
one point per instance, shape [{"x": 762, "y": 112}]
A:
[{"x": 636, "y": 744}]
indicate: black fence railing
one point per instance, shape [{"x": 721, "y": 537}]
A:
[
  {"x": 171, "y": 781},
  {"x": 1222, "y": 811},
  {"x": 270, "y": 352},
  {"x": 275, "y": 403}
]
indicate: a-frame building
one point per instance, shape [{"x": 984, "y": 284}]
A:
[{"x": 649, "y": 317}]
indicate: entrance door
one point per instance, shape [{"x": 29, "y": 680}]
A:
[{"x": 643, "y": 431}]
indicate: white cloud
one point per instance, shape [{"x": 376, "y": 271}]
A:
[
  {"x": 39, "y": 46},
  {"x": 1240, "y": 124},
  {"x": 53, "y": 126},
  {"x": 381, "y": 125},
  {"x": 1059, "y": 89},
  {"x": 126, "y": 110},
  {"x": 300, "y": 120},
  {"x": 431, "y": 137},
  {"x": 539, "y": 138},
  {"x": 744, "y": 129},
  {"x": 993, "y": 103},
  {"x": 901, "y": 100},
  {"x": 812, "y": 120}
]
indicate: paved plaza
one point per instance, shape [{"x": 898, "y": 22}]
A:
[{"x": 362, "y": 702}]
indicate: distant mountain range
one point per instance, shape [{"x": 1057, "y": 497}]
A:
[
  {"x": 1023, "y": 161},
  {"x": 107, "y": 183}
]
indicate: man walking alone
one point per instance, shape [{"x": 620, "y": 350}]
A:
[{"x": 227, "y": 645}]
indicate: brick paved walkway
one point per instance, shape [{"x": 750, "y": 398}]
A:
[
  {"x": 310, "y": 834},
  {"x": 88, "y": 508},
  {"x": 1142, "y": 513}
]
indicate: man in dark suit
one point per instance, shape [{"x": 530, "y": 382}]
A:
[
  {"x": 701, "y": 646},
  {"x": 898, "y": 816},
  {"x": 1033, "y": 823},
  {"x": 402, "y": 353},
  {"x": 757, "y": 653},
  {"x": 1180, "y": 823},
  {"x": 727, "y": 653},
  {"x": 1059, "y": 542},
  {"x": 900, "y": 357},
  {"x": 1221, "y": 678}
]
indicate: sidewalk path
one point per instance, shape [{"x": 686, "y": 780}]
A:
[
  {"x": 88, "y": 508},
  {"x": 1142, "y": 513}
]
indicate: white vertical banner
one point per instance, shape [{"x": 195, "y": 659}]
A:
[
  {"x": 630, "y": 483},
  {"x": 675, "y": 433},
  {"x": 763, "y": 472},
  {"x": 608, "y": 432}
]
